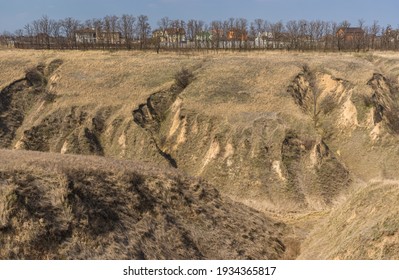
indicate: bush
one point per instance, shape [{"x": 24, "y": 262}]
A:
[
  {"x": 35, "y": 77},
  {"x": 183, "y": 78},
  {"x": 328, "y": 104},
  {"x": 41, "y": 67},
  {"x": 49, "y": 97},
  {"x": 368, "y": 101},
  {"x": 54, "y": 65}
]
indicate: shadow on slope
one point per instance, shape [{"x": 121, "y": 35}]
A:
[{"x": 74, "y": 207}]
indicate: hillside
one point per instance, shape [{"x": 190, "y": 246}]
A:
[
  {"x": 365, "y": 227},
  {"x": 75, "y": 207},
  {"x": 293, "y": 135}
]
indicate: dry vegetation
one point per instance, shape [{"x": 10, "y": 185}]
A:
[
  {"x": 366, "y": 226},
  {"x": 75, "y": 207},
  {"x": 248, "y": 123}
]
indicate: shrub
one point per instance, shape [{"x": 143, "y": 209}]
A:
[
  {"x": 54, "y": 65},
  {"x": 183, "y": 78},
  {"x": 35, "y": 77},
  {"x": 41, "y": 67},
  {"x": 328, "y": 104},
  {"x": 49, "y": 97},
  {"x": 368, "y": 101}
]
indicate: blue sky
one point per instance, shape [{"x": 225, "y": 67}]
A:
[{"x": 15, "y": 14}]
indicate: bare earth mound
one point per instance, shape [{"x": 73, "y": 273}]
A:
[{"x": 74, "y": 207}]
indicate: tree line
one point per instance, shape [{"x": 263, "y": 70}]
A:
[{"x": 135, "y": 32}]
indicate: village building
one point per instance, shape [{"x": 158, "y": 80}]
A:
[
  {"x": 263, "y": 39},
  {"x": 92, "y": 36},
  {"x": 236, "y": 34},
  {"x": 110, "y": 37},
  {"x": 174, "y": 35},
  {"x": 392, "y": 35},
  {"x": 86, "y": 35},
  {"x": 349, "y": 34},
  {"x": 204, "y": 36},
  {"x": 170, "y": 36}
]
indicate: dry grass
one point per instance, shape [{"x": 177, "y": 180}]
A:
[
  {"x": 366, "y": 226},
  {"x": 238, "y": 102},
  {"x": 75, "y": 207},
  {"x": 229, "y": 125}
]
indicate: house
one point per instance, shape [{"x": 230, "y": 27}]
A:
[
  {"x": 349, "y": 34},
  {"x": 158, "y": 34},
  {"x": 392, "y": 35},
  {"x": 236, "y": 34},
  {"x": 109, "y": 37},
  {"x": 42, "y": 39},
  {"x": 86, "y": 35},
  {"x": 170, "y": 36},
  {"x": 203, "y": 36},
  {"x": 175, "y": 35},
  {"x": 271, "y": 40},
  {"x": 7, "y": 41},
  {"x": 263, "y": 39},
  {"x": 92, "y": 36},
  {"x": 217, "y": 33}
]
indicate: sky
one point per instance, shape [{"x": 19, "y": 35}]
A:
[{"x": 14, "y": 14}]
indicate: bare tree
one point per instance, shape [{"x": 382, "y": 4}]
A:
[
  {"x": 374, "y": 30},
  {"x": 43, "y": 29},
  {"x": 359, "y": 39},
  {"x": 226, "y": 28},
  {"x": 303, "y": 40},
  {"x": 258, "y": 30},
  {"x": 7, "y": 39},
  {"x": 230, "y": 34},
  {"x": 127, "y": 27},
  {"x": 69, "y": 26},
  {"x": 241, "y": 32},
  {"x": 292, "y": 27},
  {"x": 29, "y": 31},
  {"x": 164, "y": 23},
  {"x": 143, "y": 30},
  {"x": 178, "y": 34},
  {"x": 111, "y": 27},
  {"x": 106, "y": 35},
  {"x": 216, "y": 30},
  {"x": 19, "y": 33},
  {"x": 318, "y": 32},
  {"x": 340, "y": 38},
  {"x": 196, "y": 33},
  {"x": 55, "y": 33},
  {"x": 276, "y": 29},
  {"x": 191, "y": 32}
]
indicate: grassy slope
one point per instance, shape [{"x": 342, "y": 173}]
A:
[
  {"x": 229, "y": 124},
  {"x": 75, "y": 207},
  {"x": 366, "y": 226},
  {"x": 234, "y": 97}
]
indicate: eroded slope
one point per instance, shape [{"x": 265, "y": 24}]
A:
[{"x": 279, "y": 132}]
